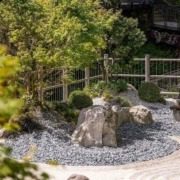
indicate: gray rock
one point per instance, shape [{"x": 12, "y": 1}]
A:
[
  {"x": 141, "y": 115},
  {"x": 176, "y": 109},
  {"x": 77, "y": 177},
  {"x": 136, "y": 114},
  {"x": 96, "y": 127},
  {"x": 176, "y": 114},
  {"x": 124, "y": 115}
]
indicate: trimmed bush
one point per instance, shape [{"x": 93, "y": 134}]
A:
[
  {"x": 67, "y": 111},
  {"x": 80, "y": 99},
  {"x": 107, "y": 95},
  {"x": 122, "y": 101},
  {"x": 96, "y": 89},
  {"x": 119, "y": 86},
  {"x": 149, "y": 92}
]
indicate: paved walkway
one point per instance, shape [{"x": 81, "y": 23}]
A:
[{"x": 167, "y": 168}]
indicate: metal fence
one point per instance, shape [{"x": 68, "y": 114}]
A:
[{"x": 57, "y": 83}]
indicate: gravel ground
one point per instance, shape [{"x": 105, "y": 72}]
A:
[{"x": 136, "y": 142}]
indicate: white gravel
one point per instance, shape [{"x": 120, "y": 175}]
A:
[{"x": 136, "y": 142}]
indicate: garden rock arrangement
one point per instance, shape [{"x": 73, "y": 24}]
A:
[
  {"x": 97, "y": 125},
  {"x": 141, "y": 114},
  {"x": 176, "y": 110},
  {"x": 135, "y": 142}
]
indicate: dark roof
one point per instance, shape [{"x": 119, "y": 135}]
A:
[{"x": 136, "y": 2}]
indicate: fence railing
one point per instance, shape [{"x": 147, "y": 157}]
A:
[
  {"x": 57, "y": 84},
  {"x": 162, "y": 71}
]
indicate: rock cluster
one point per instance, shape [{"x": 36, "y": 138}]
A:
[
  {"x": 176, "y": 110},
  {"x": 98, "y": 124}
]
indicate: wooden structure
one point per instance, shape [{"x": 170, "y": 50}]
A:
[
  {"x": 135, "y": 3},
  {"x": 163, "y": 72},
  {"x": 166, "y": 16}
]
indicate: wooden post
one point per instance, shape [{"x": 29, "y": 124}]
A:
[
  {"x": 40, "y": 84},
  {"x": 106, "y": 66},
  {"x": 87, "y": 76},
  {"x": 65, "y": 86},
  {"x": 147, "y": 68},
  {"x": 28, "y": 82}
]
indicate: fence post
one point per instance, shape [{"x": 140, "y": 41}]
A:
[
  {"x": 87, "y": 76},
  {"x": 106, "y": 67},
  {"x": 65, "y": 86},
  {"x": 40, "y": 84},
  {"x": 147, "y": 68}
]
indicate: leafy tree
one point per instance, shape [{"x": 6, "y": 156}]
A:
[
  {"x": 66, "y": 33},
  {"x": 173, "y": 2},
  {"x": 9, "y": 107},
  {"x": 9, "y": 99},
  {"x": 125, "y": 38}
]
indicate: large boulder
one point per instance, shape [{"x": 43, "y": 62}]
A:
[
  {"x": 176, "y": 109},
  {"x": 141, "y": 115},
  {"x": 96, "y": 127},
  {"x": 136, "y": 114}
]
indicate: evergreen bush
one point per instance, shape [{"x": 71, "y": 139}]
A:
[
  {"x": 122, "y": 101},
  {"x": 80, "y": 99},
  {"x": 149, "y": 92},
  {"x": 119, "y": 85}
]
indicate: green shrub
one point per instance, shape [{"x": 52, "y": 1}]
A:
[
  {"x": 96, "y": 89},
  {"x": 52, "y": 162},
  {"x": 80, "y": 99},
  {"x": 100, "y": 87},
  {"x": 107, "y": 95},
  {"x": 67, "y": 111},
  {"x": 122, "y": 101},
  {"x": 119, "y": 86},
  {"x": 91, "y": 91},
  {"x": 149, "y": 92}
]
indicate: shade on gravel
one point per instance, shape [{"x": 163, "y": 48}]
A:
[{"x": 135, "y": 143}]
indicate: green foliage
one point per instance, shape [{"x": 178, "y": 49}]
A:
[
  {"x": 66, "y": 33},
  {"x": 10, "y": 103},
  {"x": 156, "y": 51},
  {"x": 17, "y": 170},
  {"x": 52, "y": 162},
  {"x": 173, "y": 2},
  {"x": 107, "y": 95},
  {"x": 67, "y": 111},
  {"x": 125, "y": 38},
  {"x": 149, "y": 92},
  {"x": 118, "y": 85},
  {"x": 96, "y": 89},
  {"x": 100, "y": 87},
  {"x": 122, "y": 101},
  {"x": 9, "y": 109},
  {"x": 79, "y": 99},
  {"x": 104, "y": 89}
]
